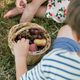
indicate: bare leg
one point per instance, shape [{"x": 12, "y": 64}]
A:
[
  {"x": 13, "y": 12},
  {"x": 31, "y": 10},
  {"x": 41, "y": 11}
]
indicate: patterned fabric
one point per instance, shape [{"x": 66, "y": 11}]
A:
[
  {"x": 56, "y": 9},
  {"x": 59, "y": 64}
]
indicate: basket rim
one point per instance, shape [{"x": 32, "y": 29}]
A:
[{"x": 31, "y": 53}]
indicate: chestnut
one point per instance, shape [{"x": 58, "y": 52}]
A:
[
  {"x": 36, "y": 31},
  {"x": 32, "y": 31}
]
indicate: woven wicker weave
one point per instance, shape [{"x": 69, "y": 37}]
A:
[{"x": 17, "y": 29}]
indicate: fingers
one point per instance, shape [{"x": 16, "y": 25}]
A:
[
  {"x": 22, "y": 40},
  {"x": 27, "y": 41},
  {"x": 25, "y": 2},
  {"x": 18, "y": 3},
  {"x": 21, "y": 3}
]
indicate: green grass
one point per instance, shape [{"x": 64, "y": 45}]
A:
[{"x": 7, "y": 65}]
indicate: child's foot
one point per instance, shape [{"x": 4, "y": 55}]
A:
[{"x": 15, "y": 11}]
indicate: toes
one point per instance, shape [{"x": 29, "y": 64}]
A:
[{"x": 7, "y": 15}]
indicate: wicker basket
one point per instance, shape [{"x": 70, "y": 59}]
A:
[{"x": 17, "y": 29}]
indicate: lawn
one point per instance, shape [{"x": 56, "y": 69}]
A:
[{"x": 7, "y": 65}]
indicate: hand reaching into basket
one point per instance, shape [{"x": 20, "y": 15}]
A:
[{"x": 21, "y": 48}]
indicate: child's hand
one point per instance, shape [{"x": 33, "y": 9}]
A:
[
  {"x": 21, "y": 48},
  {"x": 21, "y": 3}
]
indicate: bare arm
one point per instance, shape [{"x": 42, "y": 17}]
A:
[
  {"x": 21, "y": 67},
  {"x": 21, "y": 49}
]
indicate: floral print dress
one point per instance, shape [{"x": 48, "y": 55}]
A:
[{"x": 56, "y": 9}]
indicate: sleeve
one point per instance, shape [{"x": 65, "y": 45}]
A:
[
  {"x": 34, "y": 74},
  {"x": 66, "y": 44}
]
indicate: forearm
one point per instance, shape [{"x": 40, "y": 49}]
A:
[{"x": 21, "y": 67}]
